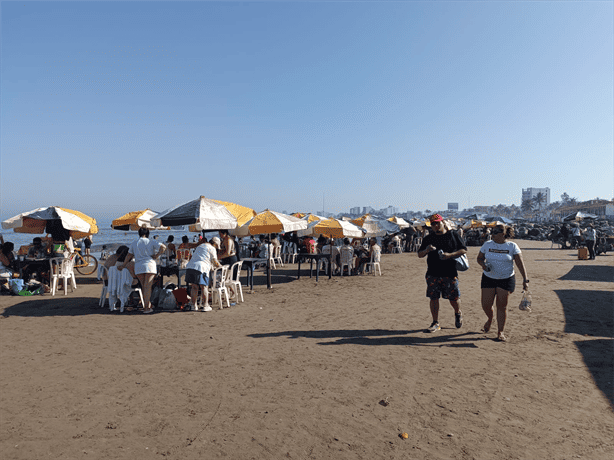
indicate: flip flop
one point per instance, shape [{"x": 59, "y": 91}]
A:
[
  {"x": 501, "y": 337},
  {"x": 145, "y": 312}
]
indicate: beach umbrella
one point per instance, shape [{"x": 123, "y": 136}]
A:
[
  {"x": 332, "y": 228},
  {"x": 270, "y": 222},
  {"x": 402, "y": 223},
  {"x": 135, "y": 220},
  {"x": 53, "y": 219},
  {"x": 376, "y": 227},
  {"x": 242, "y": 213},
  {"x": 202, "y": 213},
  {"x": 312, "y": 218},
  {"x": 503, "y": 220}
]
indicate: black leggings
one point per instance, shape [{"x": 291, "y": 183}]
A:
[{"x": 590, "y": 244}]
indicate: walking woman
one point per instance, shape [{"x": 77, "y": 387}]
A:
[
  {"x": 497, "y": 258},
  {"x": 145, "y": 253}
]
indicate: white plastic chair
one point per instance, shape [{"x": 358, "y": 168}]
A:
[
  {"x": 277, "y": 256},
  {"x": 290, "y": 253},
  {"x": 233, "y": 279},
  {"x": 62, "y": 267},
  {"x": 374, "y": 263},
  {"x": 397, "y": 247},
  {"x": 219, "y": 285},
  {"x": 104, "y": 272},
  {"x": 415, "y": 244},
  {"x": 346, "y": 259}
]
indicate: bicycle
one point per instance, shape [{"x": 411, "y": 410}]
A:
[{"x": 85, "y": 264}]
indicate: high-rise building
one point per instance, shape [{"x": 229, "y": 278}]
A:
[
  {"x": 367, "y": 210},
  {"x": 355, "y": 211},
  {"x": 531, "y": 192}
]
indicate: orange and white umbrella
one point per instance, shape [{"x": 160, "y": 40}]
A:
[
  {"x": 135, "y": 220},
  {"x": 333, "y": 228},
  {"x": 270, "y": 222},
  {"x": 45, "y": 220}
]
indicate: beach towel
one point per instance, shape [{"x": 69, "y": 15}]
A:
[{"x": 120, "y": 287}]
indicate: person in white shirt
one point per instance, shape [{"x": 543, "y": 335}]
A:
[
  {"x": 575, "y": 233},
  {"x": 497, "y": 257},
  {"x": 145, "y": 252},
  {"x": 591, "y": 237},
  {"x": 198, "y": 270}
]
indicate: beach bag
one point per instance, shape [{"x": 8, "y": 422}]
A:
[
  {"x": 167, "y": 300},
  {"x": 155, "y": 295},
  {"x": 525, "y": 301},
  {"x": 462, "y": 263},
  {"x": 16, "y": 285}
]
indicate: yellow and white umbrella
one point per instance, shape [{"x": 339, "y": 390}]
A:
[
  {"x": 135, "y": 220},
  {"x": 312, "y": 218},
  {"x": 270, "y": 222},
  {"x": 333, "y": 228},
  {"x": 50, "y": 219}
]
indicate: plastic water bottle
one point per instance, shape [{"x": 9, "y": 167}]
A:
[
  {"x": 525, "y": 303},
  {"x": 487, "y": 267},
  {"x": 440, "y": 252}
]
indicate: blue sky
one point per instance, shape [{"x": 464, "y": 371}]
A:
[{"x": 109, "y": 107}]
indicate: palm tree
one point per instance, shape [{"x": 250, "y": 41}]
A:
[
  {"x": 527, "y": 206},
  {"x": 539, "y": 199}
]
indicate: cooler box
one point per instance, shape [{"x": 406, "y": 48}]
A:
[{"x": 583, "y": 253}]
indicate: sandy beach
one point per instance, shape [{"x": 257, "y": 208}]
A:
[{"x": 331, "y": 370}]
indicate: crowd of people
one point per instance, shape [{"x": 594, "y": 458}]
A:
[{"x": 440, "y": 244}]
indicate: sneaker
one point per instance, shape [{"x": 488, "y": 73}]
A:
[
  {"x": 207, "y": 308},
  {"x": 459, "y": 320},
  {"x": 433, "y": 327}
]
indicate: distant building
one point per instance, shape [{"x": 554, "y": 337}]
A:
[
  {"x": 355, "y": 211},
  {"x": 531, "y": 192},
  {"x": 601, "y": 208},
  {"x": 389, "y": 211},
  {"x": 367, "y": 210},
  {"x": 452, "y": 206}
]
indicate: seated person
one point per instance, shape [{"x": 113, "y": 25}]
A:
[
  {"x": 347, "y": 255},
  {"x": 119, "y": 256},
  {"x": 361, "y": 253},
  {"x": 7, "y": 260},
  {"x": 327, "y": 248},
  {"x": 185, "y": 243},
  {"x": 38, "y": 249},
  {"x": 171, "y": 249}
]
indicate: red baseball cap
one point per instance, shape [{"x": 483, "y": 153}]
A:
[{"x": 436, "y": 218}]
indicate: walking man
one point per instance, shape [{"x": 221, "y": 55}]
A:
[{"x": 441, "y": 247}]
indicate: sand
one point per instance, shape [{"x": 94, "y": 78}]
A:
[{"x": 330, "y": 370}]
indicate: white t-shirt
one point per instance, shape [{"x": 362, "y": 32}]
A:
[
  {"x": 202, "y": 258},
  {"x": 501, "y": 258},
  {"x": 143, "y": 249}
]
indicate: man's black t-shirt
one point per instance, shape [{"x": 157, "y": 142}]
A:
[{"x": 448, "y": 242}]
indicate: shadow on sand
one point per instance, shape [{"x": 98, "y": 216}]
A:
[
  {"x": 591, "y": 313},
  {"x": 383, "y": 337},
  {"x": 601, "y": 273}
]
